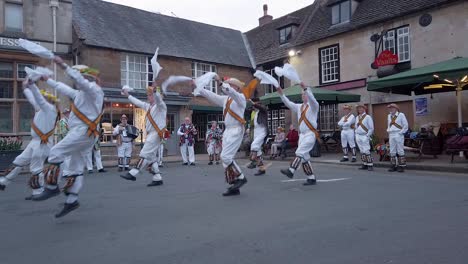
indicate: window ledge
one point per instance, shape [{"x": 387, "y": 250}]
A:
[{"x": 342, "y": 24}]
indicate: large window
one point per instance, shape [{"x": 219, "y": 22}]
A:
[
  {"x": 398, "y": 42},
  {"x": 285, "y": 35},
  {"x": 276, "y": 118},
  {"x": 13, "y": 17},
  {"x": 135, "y": 71},
  {"x": 328, "y": 117},
  {"x": 329, "y": 64},
  {"x": 16, "y": 112},
  {"x": 341, "y": 13},
  {"x": 198, "y": 69}
]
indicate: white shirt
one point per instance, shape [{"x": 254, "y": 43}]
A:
[
  {"x": 400, "y": 120},
  {"x": 158, "y": 111},
  {"x": 237, "y": 106},
  {"x": 311, "y": 113},
  {"x": 46, "y": 113},
  {"x": 367, "y": 122},
  {"x": 347, "y": 125},
  {"x": 88, "y": 97}
]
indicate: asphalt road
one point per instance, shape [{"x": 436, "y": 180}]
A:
[{"x": 349, "y": 217}]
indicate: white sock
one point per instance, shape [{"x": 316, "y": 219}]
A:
[
  {"x": 311, "y": 177},
  {"x": 292, "y": 170},
  {"x": 4, "y": 181},
  {"x": 157, "y": 177},
  {"x": 51, "y": 187},
  {"x": 241, "y": 176},
  {"x": 134, "y": 172},
  {"x": 37, "y": 191},
  {"x": 71, "y": 198}
]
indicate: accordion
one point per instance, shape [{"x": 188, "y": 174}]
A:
[{"x": 132, "y": 132}]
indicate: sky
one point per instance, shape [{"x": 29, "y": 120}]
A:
[{"x": 236, "y": 14}]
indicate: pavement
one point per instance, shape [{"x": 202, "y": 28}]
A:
[{"x": 350, "y": 216}]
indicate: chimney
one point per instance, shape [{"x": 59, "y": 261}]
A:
[{"x": 265, "y": 19}]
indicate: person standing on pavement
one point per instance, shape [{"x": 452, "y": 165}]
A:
[
  {"x": 364, "y": 131},
  {"x": 213, "y": 142},
  {"x": 187, "y": 133},
  {"x": 397, "y": 125},
  {"x": 347, "y": 123},
  {"x": 124, "y": 144}
]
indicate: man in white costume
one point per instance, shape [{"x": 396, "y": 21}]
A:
[
  {"x": 364, "y": 130},
  {"x": 42, "y": 131},
  {"x": 96, "y": 152},
  {"x": 124, "y": 144},
  {"x": 213, "y": 142},
  {"x": 86, "y": 112},
  {"x": 347, "y": 123},
  {"x": 233, "y": 103},
  {"x": 260, "y": 123},
  {"x": 397, "y": 126}
]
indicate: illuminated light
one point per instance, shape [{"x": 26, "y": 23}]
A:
[
  {"x": 292, "y": 53},
  {"x": 447, "y": 80},
  {"x": 116, "y": 104},
  {"x": 464, "y": 78},
  {"x": 436, "y": 76}
]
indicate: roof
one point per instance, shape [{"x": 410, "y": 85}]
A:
[
  {"x": 324, "y": 96},
  {"x": 416, "y": 79},
  {"x": 264, "y": 40},
  {"x": 368, "y": 12},
  {"x": 119, "y": 27}
]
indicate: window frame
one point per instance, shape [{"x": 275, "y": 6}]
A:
[
  {"x": 195, "y": 73},
  {"x": 338, "y": 66},
  {"x": 6, "y": 28},
  {"x": 396, "y": 42},
  {"x": 286, "y": 39},
  {"x": 125, "y": 73},
  {"x": 328, "y": 117},
  {"x": 339, "y": 5},
  {"x": 277, "y": 119}
]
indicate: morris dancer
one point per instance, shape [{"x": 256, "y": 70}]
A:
[
  {"x": 96, "y": 152},
  {"x": 42, "y": 131},
  {"x": 187, "y": 133},
  {"x": 259, "y": 135},
  {"x": 86, "y": 113},
  {"x": 397, "y": 127},
  {"x": 347, "y": 123},
  {"x": 364, "y": 130},
  {"x": 124, "y": 144},
  {"x": 166, "y": 137},
  {"x": 213, "y": 142},
  {"x": 233, "y": 103}
]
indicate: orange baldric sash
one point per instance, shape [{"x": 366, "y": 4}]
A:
[
  {"x": 394, "y": 123},
  {"x": 307, "y": 122},
  {"x": 360, "y": 124},
  {"x": 45, "y": 137},
  {"x": 346, "y": 120},
  {"x": 228, "y": 109},
  {"x": 92, "y": 125},
  {"x": 153, "y": 123}
]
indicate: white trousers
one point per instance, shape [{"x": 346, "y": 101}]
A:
[
  {"x": 75, "y": 144},
  {"x": 232, "y": 139},
  {"x": 259, "y": 138},
  {"x": 305, "y": 145},
  {"x": 213, "y": 148},
  {"x": 124, "y": 151},
  {"x": 363, "y": 144},
  {"x": 396, "y": 144},
  {"x": 161, "y": 153},
  {"x": 97, "y": 159},
  {"x": 191, "y": 153},
  {"x": 148, "y": 154},
  {"x": 347, "y": 137}
]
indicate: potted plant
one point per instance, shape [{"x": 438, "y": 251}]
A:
[{"x": 10, "y": 147}]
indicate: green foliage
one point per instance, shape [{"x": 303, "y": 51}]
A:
[{"x": 10, "y": 143}]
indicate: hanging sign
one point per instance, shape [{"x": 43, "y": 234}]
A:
[{"x": 386, "y": 58}]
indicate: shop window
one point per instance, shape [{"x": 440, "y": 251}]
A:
[
  {"x": 6, "y": 117},
  {"x": 26, "y": 114},
  {"x": 6, "y": 70},
  {"x": 198, "y": 69},
  {"x": 135, "y": 71},
  {"x": 6, "y": 89},
  {"x": 13, "y": 17},
  {"x": 328, "y": 117}
]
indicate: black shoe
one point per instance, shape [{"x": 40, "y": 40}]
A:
[
  {"x": 252, "y": 165},
  {"x": 28, "y": 198},
  {"x": 288, "y": 173},
  {"x": 310, "y": 182},
  {"x": 344, "y": 160},
  {"x": 260, "y": 172},
  {"x": 401, "y": 169},
  {"x": 370, "y": 168},
  {"x": 363, "y": 167},
  {"x": 217, "y": 163},
  {"x": 67, "y": 208},
  {"x": 185, "y": 163},
  {"x": 230, "y": 192},
  {"x": 46, "y": 194},
  {"x": 353, "y": 160},
  {"x": 392, "y": 169},
  {"x": 210, "y": 163},
  {"x": 192, "y": 164},
  {"x": 238, "y": 184},
  {"x": 155, "y": 183},
  {"x": 128, "y": 177},
  {"x": 2, "y": 187},
  {"x": 160, "y": 165},
  {"x": 120, "y": 169},
  {"x": 102, "y": 171},
  {"x": 90, "y": 171},
  {"x": 127, "y": 169}
]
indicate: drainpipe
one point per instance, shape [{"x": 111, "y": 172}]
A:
[{"x": 54, "y": 4}]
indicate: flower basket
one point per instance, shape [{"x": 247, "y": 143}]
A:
[{"x": 10, "y": 147}]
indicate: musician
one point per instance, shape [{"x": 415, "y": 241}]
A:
[
  {"x": 260, "y": 120},
  {"x": 213, "y": 142},
  {"x": 87, "y": 105},
  {"x": 397, "y": 125},
  {"x": 124, "y": 143},
  {"x": 364, "y": 130},
  {"x": 347, "y": 123},
  {"x": 42, "y": 130},
  {"x": 187, "y": 133}
]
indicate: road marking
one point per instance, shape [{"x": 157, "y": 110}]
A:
[
  {"x": 329, "y": 180},
  {"x": 267, "y": 165}
]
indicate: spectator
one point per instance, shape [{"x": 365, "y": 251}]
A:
[
  {"x": 279, "y": 139},
  {"x": 291, "y": 141}
]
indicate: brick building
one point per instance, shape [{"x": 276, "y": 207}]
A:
[{"x": 122, "y": 50}]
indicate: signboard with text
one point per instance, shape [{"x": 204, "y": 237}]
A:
[
  {"x": 386, "y": 58},
  {"x": 11, "y": 43}
]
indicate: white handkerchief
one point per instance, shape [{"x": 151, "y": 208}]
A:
[
  {"x": 36, "y": 74},
  {"x": 36, "y": 49},
  {"x": 128, "y": 88},
  {"x": 155, "y": 65},
  {"x": 289, "y": 72},
  {"x": 203, "y": 81},
  {"x": 173, "y": 80},
  {"x": 266, "y": 78}
]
